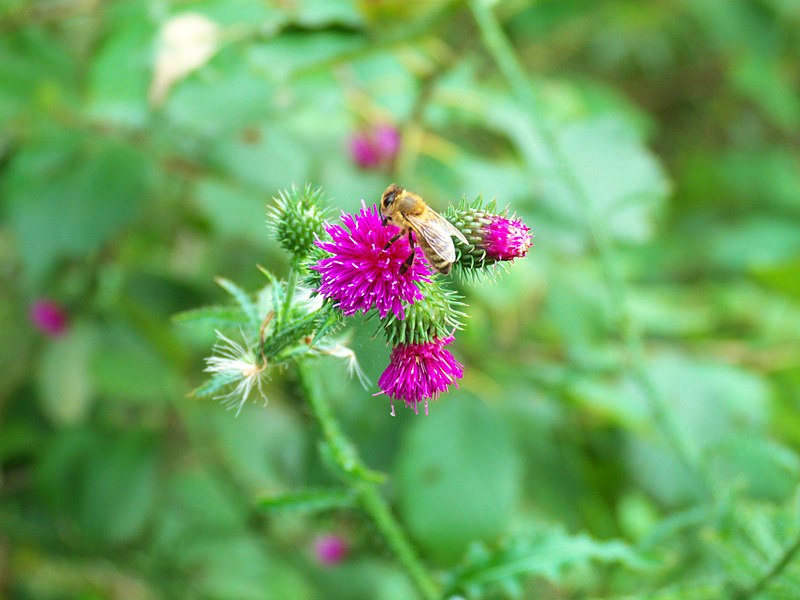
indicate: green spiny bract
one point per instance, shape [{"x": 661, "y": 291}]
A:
[
  {"x": 471, "y": 218},
  {"x": 297, "y": 218},
  {"x": 436, "y": 316}
]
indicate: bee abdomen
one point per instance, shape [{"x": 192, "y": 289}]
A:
[{"x": 439, "y": 263}]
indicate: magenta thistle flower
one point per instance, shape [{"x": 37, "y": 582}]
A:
[
  {"x": 48, "y": 317},
  {"x": 362, "y": 272},
  {"x": 506, "y": 239},
  {"x": 418, "y": 372},
  {"x": 331, "y": 549}
]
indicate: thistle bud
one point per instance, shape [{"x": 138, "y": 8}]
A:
[
  {"x": 491, "y": 237},
  {"x": 297, "y": 218}
]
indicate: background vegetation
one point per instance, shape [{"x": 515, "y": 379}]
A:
[{"x": 628, "y": 422}]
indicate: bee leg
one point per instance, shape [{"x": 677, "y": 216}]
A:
[
  {"x": 410, "y": 260},
  {"x": 393, "y": 240}
]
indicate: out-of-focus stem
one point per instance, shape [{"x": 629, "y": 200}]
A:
[
  {"x": 550, "y": 155},
  {"x": 374, "y": 504}
]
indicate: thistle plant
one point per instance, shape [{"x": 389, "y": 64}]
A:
[
  {"x": 361, "y": 264},
  {"x": 358, "y": 265}
]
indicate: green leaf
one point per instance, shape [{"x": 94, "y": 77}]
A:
[
  {"x": 708, "y": 402},
  {"x": 120, "y": 73},
  {"x": 64, "y": 375},
  {"x": 756, "y": 544},
  {"x": 202, "y": 536},
  {"x": 232, "y": 211},
  {"x": 244, "y": 301},
  {"x": 458, "y": 477},
  {"x": 273, "y": 157},
  {"x": 549, "y": 554},
  {"x": 67, "y": 197},
  {"x": 622, "y": 179},
  {"x": 309, "y": 500},
  {"x": 122, "y": 473},
  {"x": 293, "y": 53},
  {"x": 761, "y": 467},
  {"x": 781, "y": 277},
  {"x": 212, "y": 317},
  {"x": 318, "y": 13},
  {"x": 223, "y": 98},
  {"x": 130, "y": 368},
  {"x": 213, "y": 386},
  {"x": 37, "y": 73},
  {"x": 755, "y": 243},
  {"x": 84, "y": 472},
  {"x": 263, "y": 449}
]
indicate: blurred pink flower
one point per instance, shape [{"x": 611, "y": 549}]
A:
[
  {"x": 364, "y": 152},
  {"x": 48, "y": 317},
  {"x": 375, "y": 147},
  {"x": 331, "y": 549},
  {"x": 387, "y": 141}
]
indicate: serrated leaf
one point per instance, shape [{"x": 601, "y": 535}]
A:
[
  {"x": 757, "y": 545},
  {"x": 212, "y": 317},
  {"x": 547, "y": 554},
  {"x": 213, "y": 386},
  {"x": 243, "y": 300},
  {"x": 309, "y": 500}
]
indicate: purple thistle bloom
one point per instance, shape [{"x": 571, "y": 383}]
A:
[
  {"x": 48, "y": 317},
  {"x": 506, "y": 239},
  {"x": 331, "y": 549},
  {"x": 387, "y": 141},
  {"x": 417, "y": 372},
  {"x": 363, "y": 273},
  {"x": 364, "y": 152}
]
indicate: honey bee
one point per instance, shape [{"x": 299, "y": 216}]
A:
[{"x": 434, "y": 233}]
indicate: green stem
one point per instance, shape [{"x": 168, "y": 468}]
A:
[
  {"x": 291, "y": 284},
  {"x": 346, "y": 457},
  {"x": 548, "y": 153}
]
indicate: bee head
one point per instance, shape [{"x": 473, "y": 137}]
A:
[{"x": 389, "y": 196}]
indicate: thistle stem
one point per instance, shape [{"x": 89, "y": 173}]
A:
[
  {"x": 547, "y": 154},
  {"x": 373, "y": 503},
  {"x": 291, "y": 285}
]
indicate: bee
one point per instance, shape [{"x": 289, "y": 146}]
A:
[{"x": 410, "y": 213}]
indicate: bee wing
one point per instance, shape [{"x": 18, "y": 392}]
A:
[
  {"x": 453, "y": 230},
  {"x": 436, "y": 231}
]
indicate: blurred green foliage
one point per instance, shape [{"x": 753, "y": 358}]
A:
[{"x": 546, "y": 475}]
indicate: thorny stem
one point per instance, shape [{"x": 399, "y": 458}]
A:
[
  {"x": 347, "y": 459},
  {"x": 549, "y": 154},
  {"x": 773, "y": 572}
]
